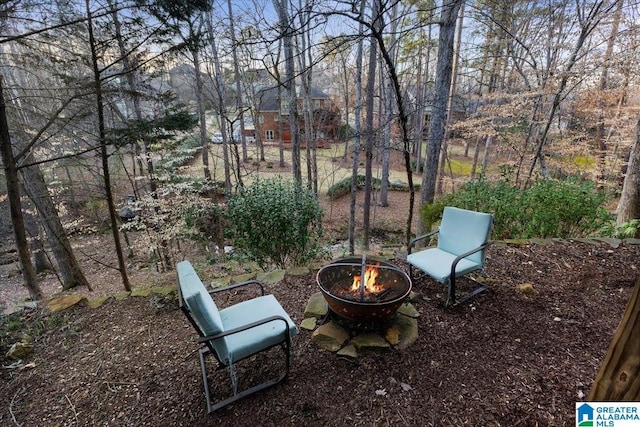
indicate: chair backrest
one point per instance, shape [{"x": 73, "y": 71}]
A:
[
  {"x": 200, "y": 308},
  {"x": 462, "y": 230}
]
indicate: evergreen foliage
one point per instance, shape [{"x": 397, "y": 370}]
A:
[
  {"x": 342, "y": 188},
  {"x": 275, "y": 222},
  {"x": 547, "y": 209},
  {"x": 158, "y": 133}
]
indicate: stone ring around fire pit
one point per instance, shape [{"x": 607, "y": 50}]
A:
[{"x": 359, "y": 315}]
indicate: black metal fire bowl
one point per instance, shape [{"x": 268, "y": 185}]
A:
[{"x": 354, "y": 307}]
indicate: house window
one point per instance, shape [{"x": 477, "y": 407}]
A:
[
  {"x": 276, "y": 117},
  {"x": 316, "y": 103},
  {"x": 284, "y": 105},
  {"x": 269, "y": 135},
  {"x": 260, "y": 118}
]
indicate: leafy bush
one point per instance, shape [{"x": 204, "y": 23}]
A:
[
  {"x": 549, "y": 208},
  {"x": 342, "y": 188},
  {"x": 626, "y": 230},
  {"x": 345, "y": 132},
  {"x": 274, "y": 222}
]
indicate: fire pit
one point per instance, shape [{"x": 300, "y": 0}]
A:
[{"x": 365, "y": 291}]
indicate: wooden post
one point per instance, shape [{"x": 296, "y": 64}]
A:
[{"x": 619, "y": 375}]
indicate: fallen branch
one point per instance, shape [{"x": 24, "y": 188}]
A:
[
  {"x": 73, "y": 408},
  {"x": 13, "y": 399}
]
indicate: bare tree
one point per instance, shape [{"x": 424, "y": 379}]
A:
[
  {"x": 103, "y": 152},
  {"x": 219, "y": 101},
  {"x": 629, "y": 204},
  {"x": 184, "y": 19},
  {"x": 236, "y": 73},
  {"x": 132, "y": 99},
  {"x": 389, "y": 109},
  {"x": 358, "y": 127},
  {"x": 13, "y": 189},
  {"x": 589, "y": 17},
  {"x": 69, "y": 270},
  {"x": 286, "y": 29},
  {"x": 376, "y": 24},
  {"x": 444, "y": 71},
  {"x": 601, "y": 142}
]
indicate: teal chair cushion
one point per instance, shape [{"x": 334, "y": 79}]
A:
[
  {"x": 208, "y": 318},
  {"x": 437, "y": 264},
  {"x": 212, "y": 321},
  {"x": 245, "y": 343},
  {"x": 199, "y": 302},
  {"x": 206, "y": 310},
  {"x": 462, "y": 230}
]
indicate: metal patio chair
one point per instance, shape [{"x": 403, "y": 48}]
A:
[
  {"x": 234, "y": 333},
  {"x": 463, "y": 237}
]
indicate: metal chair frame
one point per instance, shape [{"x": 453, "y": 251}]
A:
[
  {"x": 450, "y": 281},
  {"x": 208, "y": 349}
]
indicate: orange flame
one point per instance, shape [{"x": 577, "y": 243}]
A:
[{"x": 370, "y": 275}]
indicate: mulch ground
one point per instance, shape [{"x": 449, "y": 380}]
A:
[{"x": 508, "y": 358}]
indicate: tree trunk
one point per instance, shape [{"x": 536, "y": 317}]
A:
[
  {"x": 236, "y": 73},
  {"x": 629, "y": 205},
  {"x": 68, "y": 267},
  {"x": 389, "y": 115},
  {"x": 201, "y": 115},
  {"x": 368, "y": 151},
  {"x": 220, "y": 92},
  {"x": 276, "y": 73},
  {"x": 306, "y": 77},
  {"x": 290, "y": 86},
  {"x": 133, "y": 104},
  {"x": 356, "y": 139},
  {"x": 619, "y": 376},
  {"x": 485, "y": 155},
  {"x": 13, "y": 189},
  {"x": 601, "y": 143},
  {"x": 103, "y": 152},
  {"x": 476, "y": 153},
  {"x": 452, "y": 89},
  {"x": 40, "y": 259},
  {"x": 444, "y": 69}
]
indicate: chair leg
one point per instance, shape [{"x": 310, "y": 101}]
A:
[
  {"x": 451, "y": 291},
  {"x": 212, "y": 407},
  {"x": 207, "y": 394}
]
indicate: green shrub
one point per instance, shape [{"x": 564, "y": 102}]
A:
[
  {"x": 342, "y": 188},
  {"x": 625, "y": 230},
  {"x": 345, "y": 132},
  {"x": 274, "y": 222},
  {"x": 549, "y": 208}
]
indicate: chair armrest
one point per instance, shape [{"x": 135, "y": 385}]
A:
[
  {"x": 464, "y": 255},
  {"x": 419, "y": 238},
  {"x": 238, "y": 285},
  {"x": 248, "y": 326}
]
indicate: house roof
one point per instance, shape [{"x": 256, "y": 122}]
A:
[{"x": 269, "y": 97}]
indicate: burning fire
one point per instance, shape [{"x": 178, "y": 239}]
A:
[{"x": 370, "y": 275}]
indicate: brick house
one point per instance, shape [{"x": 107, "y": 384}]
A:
[{"x": 272, "y": 116}]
